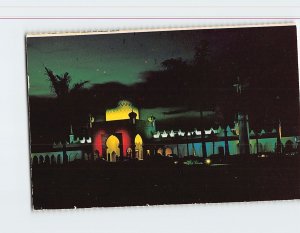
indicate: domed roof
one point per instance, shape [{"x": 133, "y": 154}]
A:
[
  {"x": 122, "y": 111},
  {"x": 124, "y": 103},
  {"x": 132, "y": 114}
]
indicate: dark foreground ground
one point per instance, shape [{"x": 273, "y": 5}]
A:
[{"x": 91, "y": 184}]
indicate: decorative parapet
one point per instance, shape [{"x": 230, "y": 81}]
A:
[{"x": 165, "y": 134}]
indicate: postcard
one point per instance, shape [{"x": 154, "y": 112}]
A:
[{"x": 159, "y": 117}]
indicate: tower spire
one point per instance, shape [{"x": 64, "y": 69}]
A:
[
  {"x": 71, "y": 136},
  {"x": 71, "y": 130},
  {"x": 243, "y": 122}
]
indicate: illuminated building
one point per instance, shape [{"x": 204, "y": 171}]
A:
[
  {"x": 125, "y": 134},
  {"x": 183, "y": 143}
]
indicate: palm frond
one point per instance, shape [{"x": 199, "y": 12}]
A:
[{"x": 78, "y": 86}]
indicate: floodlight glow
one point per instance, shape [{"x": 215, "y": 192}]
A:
[{"x": 207, "y": 161}]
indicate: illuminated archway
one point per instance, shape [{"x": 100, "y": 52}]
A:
[
  {"x": 138, "y": 141},
  {"x": 113, "y": 149},
  {"x": 160, "y": 151},
  {"x": 168, "y": 151}
]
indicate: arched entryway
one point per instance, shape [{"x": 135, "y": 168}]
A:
[
  {"x": 113, "y": 150},
  {"x": 41, "y": 159},
  {"x": 138, "y": 141},
  {"x": 160, "y": 151},
  {"x": 168, "y": 151}
]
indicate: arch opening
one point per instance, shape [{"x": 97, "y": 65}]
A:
[
  {"x": 138, "y": 141},
  {"x": 113, "y": 150},
  {"x": 160, "y": 151},
  {"x": 168, "y": 151}
]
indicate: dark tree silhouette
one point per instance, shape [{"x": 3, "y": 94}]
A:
[
  {"x": 66, "y": 99},
  {"x": 190, "y": 83},
  {"x": 61, "y": 84}
]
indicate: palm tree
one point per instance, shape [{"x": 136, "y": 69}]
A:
[
  {"x": 60, "y": 85},
  {"x": 201, "y": 67}
]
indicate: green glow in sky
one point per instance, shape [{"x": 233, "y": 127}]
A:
[{"x": 101, "y": 58}]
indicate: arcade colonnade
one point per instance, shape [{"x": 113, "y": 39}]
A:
[
  {"x": 114, "y": 147},
  {"x": 194, "y": 148}
]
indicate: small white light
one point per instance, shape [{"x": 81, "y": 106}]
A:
[{"x": 207, "y": 161}]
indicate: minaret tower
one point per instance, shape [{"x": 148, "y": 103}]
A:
[
  {"x": 243, "y": 122},
  {"x": 132, "y": 115},
  {"x": 71, "y": 136}
]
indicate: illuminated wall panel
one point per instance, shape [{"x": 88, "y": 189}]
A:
[
  {"x": 268, "y": 144},
  {"x": 174, "y": 148},
  {"x": 182, "y": 148},
  {"x": 72, "y": 155},
  {"x": 218, "y": 146},
  {"x": 233, "y": 147},
  {"x": 209, "y": 148},
  {"x": 285, "y": 139},
  {"x": 195, "y": 148},
  {"x": 97, "y": 142}
]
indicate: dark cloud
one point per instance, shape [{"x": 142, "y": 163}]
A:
[{"x": 176, "y": 111}]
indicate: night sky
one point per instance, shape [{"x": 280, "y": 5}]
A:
[
  {"x": 130, "y": 66},
  {"x": 105, "y": 58}
]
